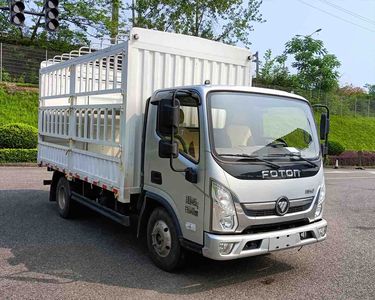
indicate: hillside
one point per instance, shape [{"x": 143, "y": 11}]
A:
[
  {"x": 20, "y": 104},
  {"x": 354, "y": 133}
]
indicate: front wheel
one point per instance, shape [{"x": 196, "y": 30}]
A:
[{"x": 162, "y": 241}]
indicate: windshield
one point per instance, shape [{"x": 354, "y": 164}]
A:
[{"x": 259, "y": 125}]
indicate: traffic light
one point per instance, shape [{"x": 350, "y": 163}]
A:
[
  {"x": 17, "y": 8},
  {"x": 52, "y": 14}
]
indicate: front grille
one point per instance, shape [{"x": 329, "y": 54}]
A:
[
  {"x": 260, "y": 213},
  {"x": 265, "y": 209},
  {"x": 274, "y": 227},
  {"x": 298, "y": 208}
]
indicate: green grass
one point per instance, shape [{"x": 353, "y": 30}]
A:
[
  {"x": 354, "y": 133},
  {"x": 18, "y": 107}
]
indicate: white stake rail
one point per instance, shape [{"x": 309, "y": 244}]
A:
[{"x": 92, "y": 103}]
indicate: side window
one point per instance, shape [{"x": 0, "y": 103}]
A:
[{"x": 188, "y": 135}]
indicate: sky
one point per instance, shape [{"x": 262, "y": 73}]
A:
[{"x": 350, "y": 36}]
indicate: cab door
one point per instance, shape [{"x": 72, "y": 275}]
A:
[{"x": 184, "y": 196}]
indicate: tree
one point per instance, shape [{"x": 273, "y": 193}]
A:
[
  {"x": 351, "y": 90},
  {"x": 274, "y": 72},
  {"x": 370, "y": 88},
  {"x": 80, "y": 21},
  {"x": 316, "y": 68},
  {"x": 228, "y": 21}
]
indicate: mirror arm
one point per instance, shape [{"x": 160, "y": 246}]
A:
[
  {"x": 322, "y": 106},
  {"x": 173, "y": 168},
  {"x": 172, "y": 138}
]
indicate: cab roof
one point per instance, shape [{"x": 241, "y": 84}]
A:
[
  {"x": 204, "y": 89},
  {"x": 210, "y": 88}
]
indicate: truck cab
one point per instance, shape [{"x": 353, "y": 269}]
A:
[{"x": 239, "y": 168}]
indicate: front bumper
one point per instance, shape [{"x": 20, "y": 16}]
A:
[{"x": 261, "y": 243}]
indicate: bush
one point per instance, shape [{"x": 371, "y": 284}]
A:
[
  {"x": 335, "y": 148},
  {"x": 18, "y": 136},
  {"x": 18, "y": 155}
]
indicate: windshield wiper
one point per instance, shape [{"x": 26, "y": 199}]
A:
[
  {"x": 252, "y": 158},
  {"x": 296, "y": 156}
]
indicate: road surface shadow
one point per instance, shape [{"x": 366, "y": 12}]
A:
[{"x": 36, "y": 245}]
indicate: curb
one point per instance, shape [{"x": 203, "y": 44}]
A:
[{"x": 19, "y": 165}]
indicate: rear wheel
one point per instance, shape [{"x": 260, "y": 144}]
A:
[
  {"x": 162, "y": 241},
  {"x": 63, "y": 198}
]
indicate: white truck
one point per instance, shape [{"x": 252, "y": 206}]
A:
[{"x": 165, "y": 133}]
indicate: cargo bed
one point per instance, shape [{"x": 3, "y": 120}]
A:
[{"x": 92, "y": 103}]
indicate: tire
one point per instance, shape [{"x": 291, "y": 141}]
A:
[
  {"x": 63, "y": 198},
  {"x": 162, "y": 241}
]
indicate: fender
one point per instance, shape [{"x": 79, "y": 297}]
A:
[{"x": 147, "y": 205}]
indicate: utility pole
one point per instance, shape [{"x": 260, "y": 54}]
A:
[
  {"x": 134, "y": 20},
  {"x": 368, "y": 108},
  {"x": 115, "y": 20},
  {"x": 257, "y": 63}
]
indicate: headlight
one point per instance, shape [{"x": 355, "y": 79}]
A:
[
  {"x": 224, "y": 216},
  {"x": 322, "y": 194},
  {"x": 322, "y": 197}
]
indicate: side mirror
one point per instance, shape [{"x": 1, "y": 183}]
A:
[
  {"x": 167, "y": 126},
  {"x": 168, "y": 116},
  {"x": 324, "y": 126},
  {"x": 167, "y": 149}
]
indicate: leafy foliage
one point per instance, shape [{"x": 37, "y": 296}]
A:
[
  {"x": 79, "y": 21},
  {"x": 335, "y": 148},
  {"x": 18, "y": 155},
  {"x": 370, "y": 88},
  {"x": 350, "y": 90},
  {"x": 316, "y": 68},
  {"x": 275, "y": 72},
  {"x": 18, "y": 136},
  {"x": 228, "y": 21}
]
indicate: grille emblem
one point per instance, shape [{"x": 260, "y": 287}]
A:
[{"x": 282, "y": 206}]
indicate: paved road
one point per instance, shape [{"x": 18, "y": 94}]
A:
[{"x": 43, "y": 256}]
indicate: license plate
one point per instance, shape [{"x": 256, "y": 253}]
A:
[{"x": 283, "y": 242}]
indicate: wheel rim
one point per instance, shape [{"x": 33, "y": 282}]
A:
[
  {"x": 161, "y": 238},
  {"x": 61, "y": 200}
]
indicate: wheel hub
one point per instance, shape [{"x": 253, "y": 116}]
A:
[
  {"x": 161, "y": 238},
  {"x": 61, "y": 198}
]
